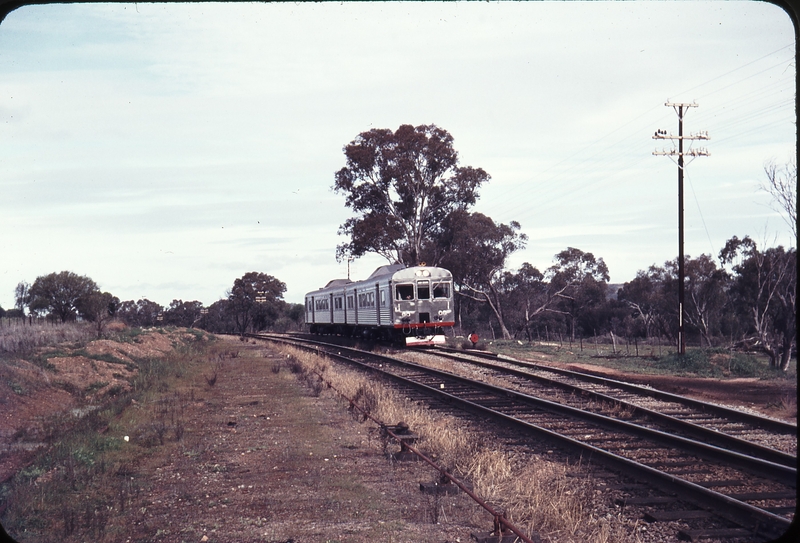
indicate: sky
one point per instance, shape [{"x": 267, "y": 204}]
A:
[{"x": 165, "y": 150}]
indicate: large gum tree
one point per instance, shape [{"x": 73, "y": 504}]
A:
[
  {"x": 59, "y": 294},
  {"x": 401, "y": 186}
]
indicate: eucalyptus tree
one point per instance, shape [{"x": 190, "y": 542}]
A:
[
  {"x": 705, "y": 295},
  {"x": 781, "y": 184},
  {"x": 764, "y": 292},
  {"x": 255, "y": 300},
  {"x": 579, "y": 281},
  {"x": 645, "y": 296},
  {"x": 527, "y": 295},
  {"x": 99, "y": 308},
  {"x": 402, "y": 185},
  {"x": 475, "y": 249},
  {"x": 58, "y": 294},
  {"x": 180, "y": 313},
  {"x": 143, "y": 312},
  {"x": 22, "y": 295}
]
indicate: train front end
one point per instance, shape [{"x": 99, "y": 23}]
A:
[{"x": 422, "y": 304}]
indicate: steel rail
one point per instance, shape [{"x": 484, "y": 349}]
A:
[
  {"x": 741, "y": 513},
  {"x": 759, "y": 466},
  {"x": 734, "y": 510},
  {"x": 731, "y": 442},
  {"x": 756, "y": 465},
  {"x": 757, "y": 420},
  {"x": 499, "y": 517}
]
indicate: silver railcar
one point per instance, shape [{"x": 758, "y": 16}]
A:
[{"x": 412, "y": 305}]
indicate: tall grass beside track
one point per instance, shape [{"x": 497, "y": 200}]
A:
[{"x": 537, "y": 494}]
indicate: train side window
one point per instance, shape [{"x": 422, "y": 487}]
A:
[
  {"x": 337, "y": 303},
  {"x": 383, "y": 298},
  {"x": 404, "y": 292},
  {"x": 423, "y": 290},
  {"x": 441, "y": 290},
  {"x": 350, "y": 302}
]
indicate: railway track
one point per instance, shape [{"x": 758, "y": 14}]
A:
[
  {"x": 750, "y": 434},
  {"x": 728, "y": 487}
]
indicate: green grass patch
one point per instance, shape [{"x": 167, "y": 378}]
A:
[
  {"x": 128, "y": 335},
  {"x": 105, "y": 357},
  {"x": 719, "y": 363},
  {"x": 17, "y": 388},
  {"x": 695, "y": 362}
]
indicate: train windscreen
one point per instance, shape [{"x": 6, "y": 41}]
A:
[{"x": 441, "y": 290}]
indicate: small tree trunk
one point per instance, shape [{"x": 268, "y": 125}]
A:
[{"x": 786, "y": 355}]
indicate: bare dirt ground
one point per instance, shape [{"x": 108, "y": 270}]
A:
[
  {"x": 29, "y": 394},
  {"x": 261, "y": 458}
]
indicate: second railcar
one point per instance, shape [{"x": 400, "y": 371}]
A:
[{"x": 409, "y": 304}]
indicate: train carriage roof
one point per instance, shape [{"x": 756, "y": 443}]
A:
[
  {"x": 389, "y": 269},
  {"x": 390, "y": 272},
  {"x": 337, "y": 283}
]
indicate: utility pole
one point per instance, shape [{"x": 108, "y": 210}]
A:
[{"x": 681, "y": 109}]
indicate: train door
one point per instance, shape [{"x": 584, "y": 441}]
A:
[
  {"x": 377, "y": 304},
  {"x": 424, "y": 297},
  {"x": 355, "y": 304}
]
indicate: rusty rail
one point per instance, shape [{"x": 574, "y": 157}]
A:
[{"x": 501, "y": 522}]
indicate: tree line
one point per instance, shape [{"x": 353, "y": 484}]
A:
[
  {"x": 412, "y": 203},
  {"x": 747, "y": 302},
  {"x": 254, "y": 303}
]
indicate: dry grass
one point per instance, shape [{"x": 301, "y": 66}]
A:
[
  {"x": 78, "y": 486},
  {"x": 19, "y": 337},
  {"x": 785, "y": 406},
  {"x": 537, "y": 494}
]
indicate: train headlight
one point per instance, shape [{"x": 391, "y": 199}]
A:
[{"x": 443, "y": 312}]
